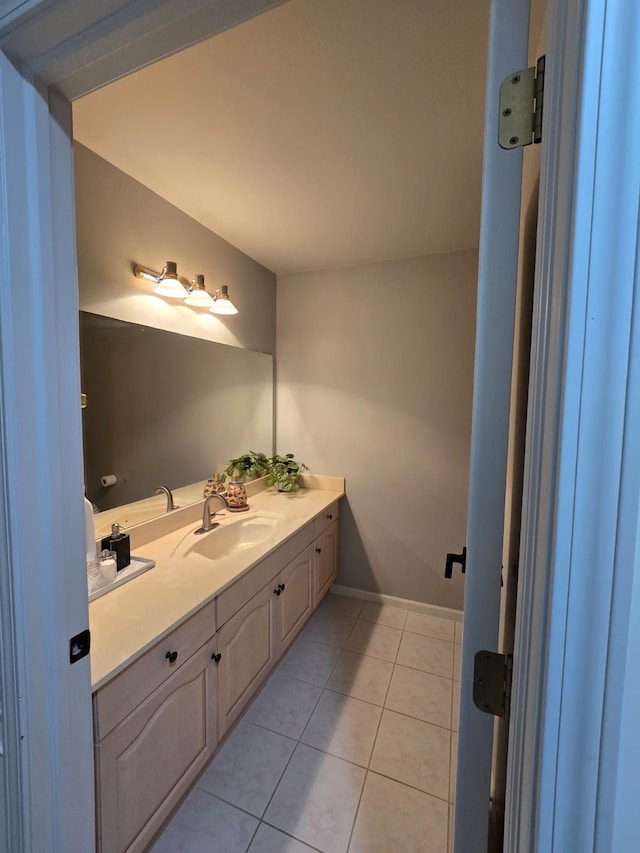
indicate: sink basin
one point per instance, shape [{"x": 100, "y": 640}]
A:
[{"x": 234, "y": 536}]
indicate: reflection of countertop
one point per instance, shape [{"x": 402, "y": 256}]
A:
[
  {"x": 133, "y": 617},
  {"x": 143, "y": 510}
]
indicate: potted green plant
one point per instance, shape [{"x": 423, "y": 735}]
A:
[
  {"x": 284, "y": 472},
  {"x": 248, "y": 466}
]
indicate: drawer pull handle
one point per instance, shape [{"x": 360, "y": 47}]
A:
[
  {"x": 282, "y": 587},
  {"x": 279, "y": 589},
  {"x": 172, "y": 657},
  {"x": 318, "y": 550},
  {"x": 216, "y": 657},
  {"x": 330, "y": 516}
]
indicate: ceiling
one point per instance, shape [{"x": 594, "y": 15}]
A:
[{"x": 321, "y": 134}]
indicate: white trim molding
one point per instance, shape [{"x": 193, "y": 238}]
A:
[
  {"x": 395, "y": 601},
  {"x": 41, "y": 441}
]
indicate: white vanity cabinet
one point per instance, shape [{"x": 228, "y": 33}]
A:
[
  {"x": 293, "y": 589},
  {"x": 158, "y": 722},
  {"x": 246, "y": 647},
  {"x": 251, "y": 641},
  {"x": 325, "y": 552},
  {"x": 147, "y": 758}
]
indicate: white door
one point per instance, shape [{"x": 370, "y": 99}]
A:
[{"x": 502, "y": 170}]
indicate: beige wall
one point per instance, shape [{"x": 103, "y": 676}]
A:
[
  {"x": 119, "y": 222},
  {"x": 375, "y": 374}
]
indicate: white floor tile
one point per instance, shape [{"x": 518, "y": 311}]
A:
[
  {"x": 426, "y": 653},
  {"x": 342, "y": 604},
  {"x": 309, "y": 661},
  {"x": 420, "y": 694},
  {"x": 284, "y": 706},
  {"x": 248, "y": 767},
  {"x": 454, "y": 764},
  {"x": 457, "y": 662},
  {"x": 204, "y": 824},
  {"x": 430, "y": 626},
  {"x": 413, "y": 752},
  {"x": 317, "y": 798},
  {"x": 270, "y": 840},
  {"x": 393, "y": 818},
  {"x": 455, "y": 707},
  {"x": 326, "y": 626},
  {"x": 378, "y": 641},
  {"x": 384, "y": 614},
  {"x": 344, "y": 727},
  {"x": 362, "y": 677}
]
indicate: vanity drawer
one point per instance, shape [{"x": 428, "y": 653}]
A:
[
  {"x": 326, "y": 517},
  {"x": 128, "y": 689}
]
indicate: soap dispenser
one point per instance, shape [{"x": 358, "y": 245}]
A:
[{"x": 120, "y": 543}]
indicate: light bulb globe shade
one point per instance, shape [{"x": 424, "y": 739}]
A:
[
  {"x": 199, "y": 299},
  {"x": 169, "y": 285},
  {"x": 198, "y": 296},
  {"x": 221, "y": 302},
  {"x": 170, "y": 288}
]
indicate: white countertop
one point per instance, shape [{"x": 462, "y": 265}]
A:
[{"x": 132, "y": 618}]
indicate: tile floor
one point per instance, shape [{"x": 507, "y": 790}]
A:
[{"x": 350, "y": 746}]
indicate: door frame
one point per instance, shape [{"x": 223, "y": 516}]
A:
[{"x": 570, "y": 766}]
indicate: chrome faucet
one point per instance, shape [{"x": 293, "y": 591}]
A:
[
  {"x": 164, "y": 490},
  {"x": 206, "y": 513}
]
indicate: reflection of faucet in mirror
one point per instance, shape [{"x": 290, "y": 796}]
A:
[
  {"x": 206, "y": 513},
  {"x": 164, "y": 490}
]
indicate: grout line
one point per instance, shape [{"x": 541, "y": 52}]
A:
[
  {"x": 408, "y": 785},
  {"x": 288, "y": 834},
  {"x": 431, "y": 637},
  {"x": 227, "y": 803}
]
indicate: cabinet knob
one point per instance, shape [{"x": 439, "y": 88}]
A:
[
  {"x": 282, "y": 587},
  {"x": 318, "y": 550},
  {"x": 216, "y": 656},
  {"x": 172, "y": 657},
  {"x": 277, "y": 591},
  {"x": 329, "y": 516}
]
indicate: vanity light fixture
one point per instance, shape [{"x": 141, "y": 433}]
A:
[
  {"x": 193, "y": 293},
  {"x": 221, "y": 302},
  {"x": 199, "y": 296},
  {"x": 167, "y": 283}
]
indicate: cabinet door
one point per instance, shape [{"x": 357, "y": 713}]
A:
[
  {"x": 146, "y": 764},
  {"x": 294, "y": 592},
  {"x": 246, "y": 645},
  {"x": 325, "y": 560}
]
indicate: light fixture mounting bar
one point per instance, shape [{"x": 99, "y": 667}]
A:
[{"x": 144, "y": 272}]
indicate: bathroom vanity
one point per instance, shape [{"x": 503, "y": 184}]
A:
[{"x": 179, "y": 652}]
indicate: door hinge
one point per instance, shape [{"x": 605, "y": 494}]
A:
[
  {"x": 520, "y": 114},
  {"x": 492, "y": 674}
]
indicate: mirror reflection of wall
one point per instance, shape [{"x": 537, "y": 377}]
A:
[
  {"x": 165, "y": 408},
  {"x": 120, "y": 222}
]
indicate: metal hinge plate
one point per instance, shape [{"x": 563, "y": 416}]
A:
[
  {"x": 520, "y": 115},
  {"x": 492, "y": 675}
]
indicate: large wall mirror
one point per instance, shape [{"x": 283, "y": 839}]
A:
[{"x": 166, "y": 409}]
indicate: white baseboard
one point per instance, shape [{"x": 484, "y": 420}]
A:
[{"x": 405, "y": 603}]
